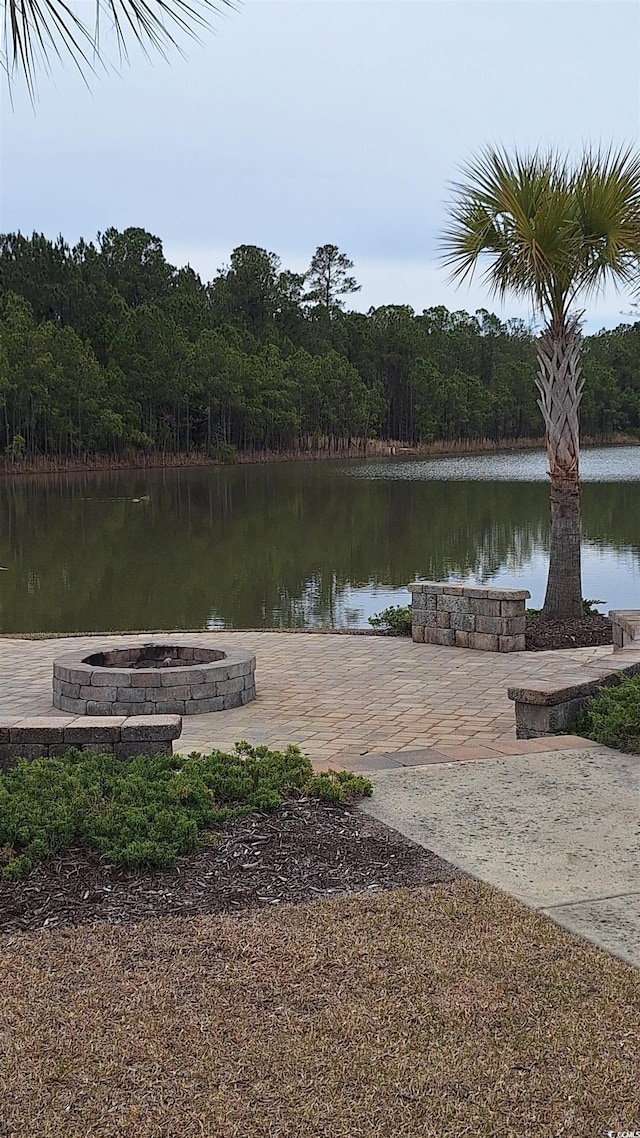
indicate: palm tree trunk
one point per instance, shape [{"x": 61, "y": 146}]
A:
[{"x": 560, "y": 387}]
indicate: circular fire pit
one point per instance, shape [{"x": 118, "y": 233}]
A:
[{"x": 151, "y": 679}]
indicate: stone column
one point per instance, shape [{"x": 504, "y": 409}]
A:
[{"x": 461, "y": 616}]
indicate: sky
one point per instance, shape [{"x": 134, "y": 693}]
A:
[{"x": 298, "y": 123}]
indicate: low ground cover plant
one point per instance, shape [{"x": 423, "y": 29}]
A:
[
  {"x": 397, "y": 618},
  {"x": 613, "y": 717},
  {"x": 146, "y": 812},
  {"x": 589, "y": 607}
]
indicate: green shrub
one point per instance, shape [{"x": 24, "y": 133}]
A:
[
  {"x": 396, "y": 619},
  {"x": 225, "y": 453},
  {"x": 338, "y": 786},
  {"x": 613, "y": 717},
  {"x": 146, "y": 812},
  {"x": 588, "y": 607}
]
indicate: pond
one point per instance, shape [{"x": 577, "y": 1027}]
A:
[{"x": 322, "y": 544}]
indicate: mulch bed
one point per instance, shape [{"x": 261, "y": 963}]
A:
[
  {"x": 547, "y": 635},
  {"x": 584, "y": 632},
  {"x": 303, "y": 852}
]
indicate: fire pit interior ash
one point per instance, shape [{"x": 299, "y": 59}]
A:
[
  {"x": 154, "y": 656},
  {"x": 150, "y": 679}
]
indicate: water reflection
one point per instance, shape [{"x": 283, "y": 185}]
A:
[
  {"x": 597, "y": 464},
  {"x": 294, "y": 544}
]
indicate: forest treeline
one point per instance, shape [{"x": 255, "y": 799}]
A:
[{"x": 106, "y": 348}]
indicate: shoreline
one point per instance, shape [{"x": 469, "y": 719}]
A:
[
  {"x": 328, "y": 450},
  {"x": 318, "y": 631}
]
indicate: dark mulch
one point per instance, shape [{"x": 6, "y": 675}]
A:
[
  {"x": 546, "y": 635},
  {"x": 584, "y": 632},
  {"x": 304, "y": 851}
]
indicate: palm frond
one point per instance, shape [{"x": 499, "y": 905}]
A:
[
  {"x": 544, "y": 229},
  {"x": 36, "y": 29},
  {"x": 608, "y": 207}
]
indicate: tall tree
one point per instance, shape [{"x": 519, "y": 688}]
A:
[
  {"x": 245, "y": 291},
  {"x": 328, "y": 279},
  {"x": 135, "y": 265},
  {"x": 553, "y": 232}
]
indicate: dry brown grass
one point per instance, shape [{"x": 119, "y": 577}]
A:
[{"x": 449, "y": 1011}]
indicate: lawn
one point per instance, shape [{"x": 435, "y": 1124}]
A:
[{"x": 449, "y": 1011}]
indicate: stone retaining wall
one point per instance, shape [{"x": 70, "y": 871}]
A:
[
  {"x": 625, "y": 627},
  {"x": 38, "y": 736},
  {"x": 547, "y": 707},
  {"x": 461, "y": 616}
]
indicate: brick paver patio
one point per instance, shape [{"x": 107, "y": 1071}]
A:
[{"x": 344, "y": 699}]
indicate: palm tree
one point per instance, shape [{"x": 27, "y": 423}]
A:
[
  {"x": 555, "y": 233},
  {"x": 36, "y": 29}
]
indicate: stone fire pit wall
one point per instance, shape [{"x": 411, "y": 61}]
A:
[
  {"x": 196, "y": 681},
  {"x": 461, "y": 616}
]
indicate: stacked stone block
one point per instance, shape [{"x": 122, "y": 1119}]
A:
[
  {"x": 203, "y": 680},
  {"x": 625, "y": 625},
  {"x": 548, "y": 706},
  {"x": 462, "y": 616},
  {"x": 39, "y": 736}
]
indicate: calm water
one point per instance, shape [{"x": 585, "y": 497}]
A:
[{"x": 297, "y": 544}]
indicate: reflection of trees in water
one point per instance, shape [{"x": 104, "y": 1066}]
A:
[
  {"x": 255, "y": 546},
  {"x": 506, "y": 547},
  {"x": 317, "y": 604},
  {"x": 611, "y": 515}
]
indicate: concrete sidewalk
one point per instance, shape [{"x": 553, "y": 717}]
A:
[{"x": 559, "y": 830}]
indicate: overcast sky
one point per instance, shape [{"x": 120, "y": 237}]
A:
[{"x": 311, "y": 121}]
